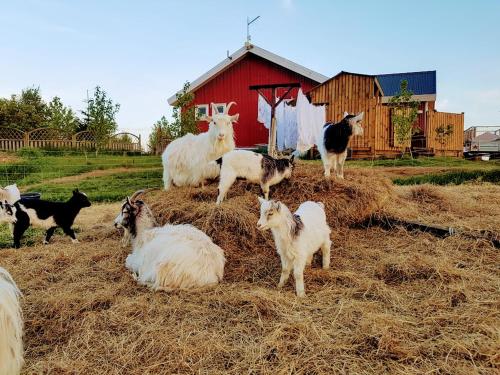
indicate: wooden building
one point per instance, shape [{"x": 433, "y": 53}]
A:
[
  {"x": 230, "y": 80},
  {"x": 354, "y": 92}
]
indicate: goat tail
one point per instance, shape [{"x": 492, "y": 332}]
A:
[{"x": 11, "y": 326}]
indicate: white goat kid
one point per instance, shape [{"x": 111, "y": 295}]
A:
[
  {"x": 169, "y": 257},
  {"x": 334, "y": 139},
  {"x": 11, "y": 326},
  {"x": 10, "y": 193},
  {"x": 255, "y": 168},
  {"x": 297, "y": 237},
  {"x": 186, "y": 160}
]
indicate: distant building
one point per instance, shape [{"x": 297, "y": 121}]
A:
[
  {"x": 229, "y": 81},
  {"x": 353, "y": 92}
]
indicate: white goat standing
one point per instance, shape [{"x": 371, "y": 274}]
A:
[
  {"x": 255, "y": 168},
  {"x": 11, "y": 326},
  {"x": 186, "y": 159},
  {"x": 297, "y": 237},
  {"x": 172, "y": 256}
]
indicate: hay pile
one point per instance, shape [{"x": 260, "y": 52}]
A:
[
  {"x": 232, "y": 225},
  {"x": 393, "y": 301}
]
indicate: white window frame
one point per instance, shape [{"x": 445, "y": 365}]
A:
[
  {"x": 196, "y": 113},
  {"x": 220, "y": 105}
]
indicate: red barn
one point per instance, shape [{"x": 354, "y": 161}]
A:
[{"x": 230, "y": 80}]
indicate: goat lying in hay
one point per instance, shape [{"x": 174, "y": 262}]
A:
[
  {"x": 11, "y": 326},
  {"x": 169, "y": 257},
  {"x": 257, "y": 168},
  {"x": 333, "y": 141},
  {"x": 187, "y": 160},
  {"x": 297, "y": 237},
  {"x": 48, "y": 215}
]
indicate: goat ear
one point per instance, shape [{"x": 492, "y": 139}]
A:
[
  {"x": 234, "y": 118},
  {"x": 359, "y": 116},
  {"x": 261, "y": 200},
  {"x": 346, "y": 114},
  {"x": 292, "y": 158},
  {"x": 75, "y": 191},
  {"x": 277, "y": 206}
]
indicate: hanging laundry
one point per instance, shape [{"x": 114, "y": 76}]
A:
[
  {"x": 310, "y": 121},
  {"x": 264, "y": 112}
]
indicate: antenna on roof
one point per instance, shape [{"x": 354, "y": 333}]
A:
[{"x": 248, "y": 28}]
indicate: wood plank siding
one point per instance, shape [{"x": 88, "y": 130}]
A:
[
  {"x": 454, "y": 145},
  {"x": 355, "y": 93}
]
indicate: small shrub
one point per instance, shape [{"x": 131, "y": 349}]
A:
[{"x": 31, "y": 153}]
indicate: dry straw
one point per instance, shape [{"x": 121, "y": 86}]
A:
[{"x": 393, "y": 302}]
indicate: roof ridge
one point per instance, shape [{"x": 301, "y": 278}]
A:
[{"x": 416, "y": 72}]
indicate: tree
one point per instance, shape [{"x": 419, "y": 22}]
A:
[
  {"x": 404, "y": 112},
  {"x": 124, "y": 138},
  {"x": 61, "y": 117},
  {"x": 183, "y": 117},
  {"x": 99, "y": 118},
  {"x": 160, "y": 136},
  {"x": 25, "y": 112},
  {"x": 443, "y": 134}
]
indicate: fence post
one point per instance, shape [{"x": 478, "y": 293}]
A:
[{"x": 26, "y": 139}]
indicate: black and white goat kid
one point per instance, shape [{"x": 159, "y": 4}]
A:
[
  {"x": 334, "y": 140},
  {"x": 255, "y": 168},
  {"x": 48, "y": 215}
]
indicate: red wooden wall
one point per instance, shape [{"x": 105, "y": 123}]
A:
[{"x": 232, "y": 85}]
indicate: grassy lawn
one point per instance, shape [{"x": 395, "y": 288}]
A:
[
  {"x": 452, "y": 178},
  {"x": 437, "y": 162},
  {"x": 34, "y": 169},
  {"x": 110, "y": 188}
]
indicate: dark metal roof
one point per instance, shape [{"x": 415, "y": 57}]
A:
[{"x": 420, "y": 83}]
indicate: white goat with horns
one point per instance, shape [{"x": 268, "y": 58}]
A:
[
  {"x": 11, "y": 326},
  {"x": 190, "y": 160},
  {"x": 297, "y": 237},
  {"x": 169, "y": 257}
]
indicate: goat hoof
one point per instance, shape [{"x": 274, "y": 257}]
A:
[
  {"x": 301, "y": 294},
  {"x": 74, "y": 240}
]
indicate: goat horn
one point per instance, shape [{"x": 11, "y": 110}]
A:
[
  {"x": 226, "y": 111},
  {"x": 136, "y": 194},
  {"x": 214, "y": 109}
]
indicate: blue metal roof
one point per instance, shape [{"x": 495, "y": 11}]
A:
[{"x": 420, "y": 83}]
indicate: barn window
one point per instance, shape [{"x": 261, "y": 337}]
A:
[
  {"x": 201, "y": 110},
  {"x": 221, "y": 107}
]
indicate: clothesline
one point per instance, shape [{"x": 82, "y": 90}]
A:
[{"x": 298, "y": 126}]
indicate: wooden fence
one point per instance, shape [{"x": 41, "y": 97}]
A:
[{"x": 47, "y": 138}]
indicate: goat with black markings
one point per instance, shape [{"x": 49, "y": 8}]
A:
[
  {"x": 168, "y": 257},
  {"x": 48, "y": 215},
  {"x": 297, "y": 237},
  {"x": 333, "y": 142},
  {"x": 256, "y": 168}
]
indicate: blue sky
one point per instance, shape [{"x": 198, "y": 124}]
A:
[{"x": 141, "y": 52}]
